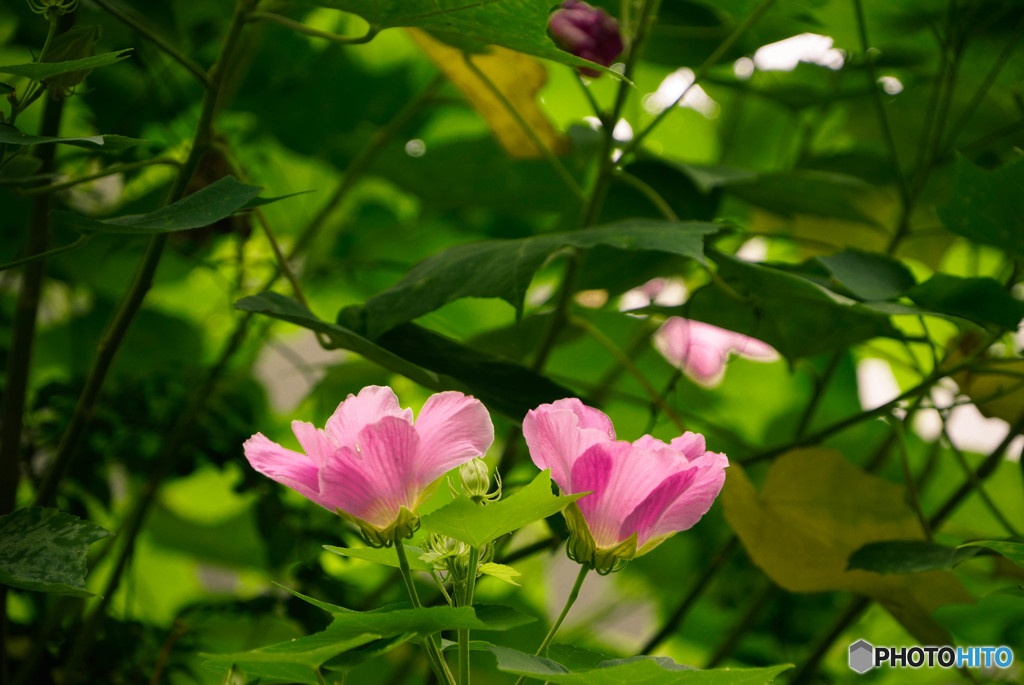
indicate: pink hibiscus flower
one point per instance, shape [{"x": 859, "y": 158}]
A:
[
  {"x": 373, "y": 465},
  {"x": 641, "y": 492},
  {"x": 701, "y": 350}
]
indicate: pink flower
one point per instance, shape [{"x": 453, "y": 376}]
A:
[
  {"x": 701, "y": 350},
  {"x": 373, "y": 465},
  {"x": 587, "y": 32},
  {"x": 641, "y": 492}
]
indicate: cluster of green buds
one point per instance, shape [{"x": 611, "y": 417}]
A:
[
  {"x": 450, "y": 557},
  {"x": 46, "y": 7},
  {"x": 475, "y": 479}
]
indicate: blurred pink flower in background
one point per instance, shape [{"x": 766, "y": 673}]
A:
[
  {"x": 373, "y": 465},
  {"x": 701, "y": 350},
  {"x": 641, "y": 492},
  {"x": 587, "y": 32}
]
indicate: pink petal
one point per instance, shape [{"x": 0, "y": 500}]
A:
[
  {"x": 453, "y": 429},
  {"x": 558, "y": 433},
  {"x": 295, "y": 470},
  {"x": 388, "y": 452},
  {"x": 698, "y": 498},
  {"x": 591, "y": 473},
  {"x": 345, "y": 487},
  {"x": 372, "y": 404},
  {"x": 316, "y": 443},
  {"x": 692, "y": 445},
  {"x": 643, "y": 518},
  {"x": 697, "y": 348},
  {"x": 752, "y": 348}
]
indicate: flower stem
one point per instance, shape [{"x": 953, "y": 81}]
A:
[
  {"x": 569, "y": 601},
  {"x": 467, "y": 601},
  {"x": 437, "y": 662}
]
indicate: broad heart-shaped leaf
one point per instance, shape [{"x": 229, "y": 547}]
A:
[
  {"x": 1011, "y": 549},
  {"x": 219, "y": 200},
  {"x": 814, "y": 511},
  {"x": 504, "y": 268},
  {"x": 104, "y": 143},
  {"x": 520, "y": 25},
  {"x": 988, "y": 206},
  {"x": 464, "y": 519},
  {"x": 907, "y": 556},
  {"x": 44, "y": 549},
  {"x": 982, "y": 300},
  {"x": 38, "y": 71},
  {"x": 869, "y": 275},
  {"x": 797, "y": 317},
  {"x": 417, "y": 353},
  {"x": 639, "y": 670},
  {"x": 382, "y": 555}
]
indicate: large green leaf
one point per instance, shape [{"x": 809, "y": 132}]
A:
[
  {"x": 988, "y": 206},
  {"x": 813, "y": 193},
  {"x": 44, "y": 549},
  {"x": 427, "y": 358},
  {"x": 982, "y": 300},
  {"x": 517, "y": 24},
  {"x": 466, "y": 520},
  {"x": 642, "y": 670},
  {"x": 907, "y": 556},
  {"x": 216, "y": 201},
  {"x": 294, "y": 661},
  {"x": 1011, "y": 549},
  {"x": 44, "y": 70},
  {"x": 869, "y": 275},
  {"x": 504, "y": 268},
  {"x": 795, "y": 316},
  {"x": 105, "y": 143},
  {"x": 382, "y": 555}
]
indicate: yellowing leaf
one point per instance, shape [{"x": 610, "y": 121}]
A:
[
  {"x": 519, "y": 77},
  {"x": 814, "y": 511}
]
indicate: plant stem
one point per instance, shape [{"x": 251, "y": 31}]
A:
[
  {"x": 114, "y": 335},
  {"x": 148, "y": 33},
  {"x": 467, "y": 601},
  {"x": 80, "y": 242},
  {"x": 976, "y": 484},
  {"x": 113, "y": 169},
  {"x": 569, "y": 601},
  {"x": 675, "y": 620},
  {"x": 437, "y": 662},
  {"x": 310, "y": 31}
]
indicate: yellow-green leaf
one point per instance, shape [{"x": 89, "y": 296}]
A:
[{"x": 814, "y": 511}]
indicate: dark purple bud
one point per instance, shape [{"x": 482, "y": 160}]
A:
[{"x": 587, "y": 32}]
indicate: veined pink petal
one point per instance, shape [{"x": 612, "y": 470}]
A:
[
  {"x": 372, "y": 404},
  {"x": 632, "y": 474},
  {"x": 388, "y": 451},
  {"x": 645, "y": 516},
  {"x": 702, "y": 350},
  {"x": 345, "y": 487},
  {"x": 316, "y": 443},
  {"x": 558, "y": 433},
  {"x": 698, "y": 497},
  {"x": 752, "y": 348},
  {"x": 293, "y": 469},
  {"x": 453, "y": 429}
]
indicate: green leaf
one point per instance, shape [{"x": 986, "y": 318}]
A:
[
  {"x": 869, "y": 275},
  {"x": 813, "y": 193},
  {"x": 646, "y": 670},
  {"x": 464, "y": 519},
  {"x": 501, "y": 572},
  {"x": 217, "y": 201},
  {"x": 982, "y": 300},
  {"x": 907, "y": 556},
  {"x": 517, "y": 24},
  {"x": 1011, "y": 549},
  {"x": 504, "y": 268},
  {"x": 382, "y": 555},
  {"x": 988, "y": 206},
  {"x": 294, "y": 661},
  {"x": 44, "y": 550},
  {"x": 503, "y": 386},
  {"x": 105, "y": 143},
  {"x": 6, "y": 88},
  {"x": 795, "y": 316},
  {"x": 39, "y": 71}
]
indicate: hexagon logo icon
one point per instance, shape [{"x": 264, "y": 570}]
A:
[{"x": 862, "y": 656}]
